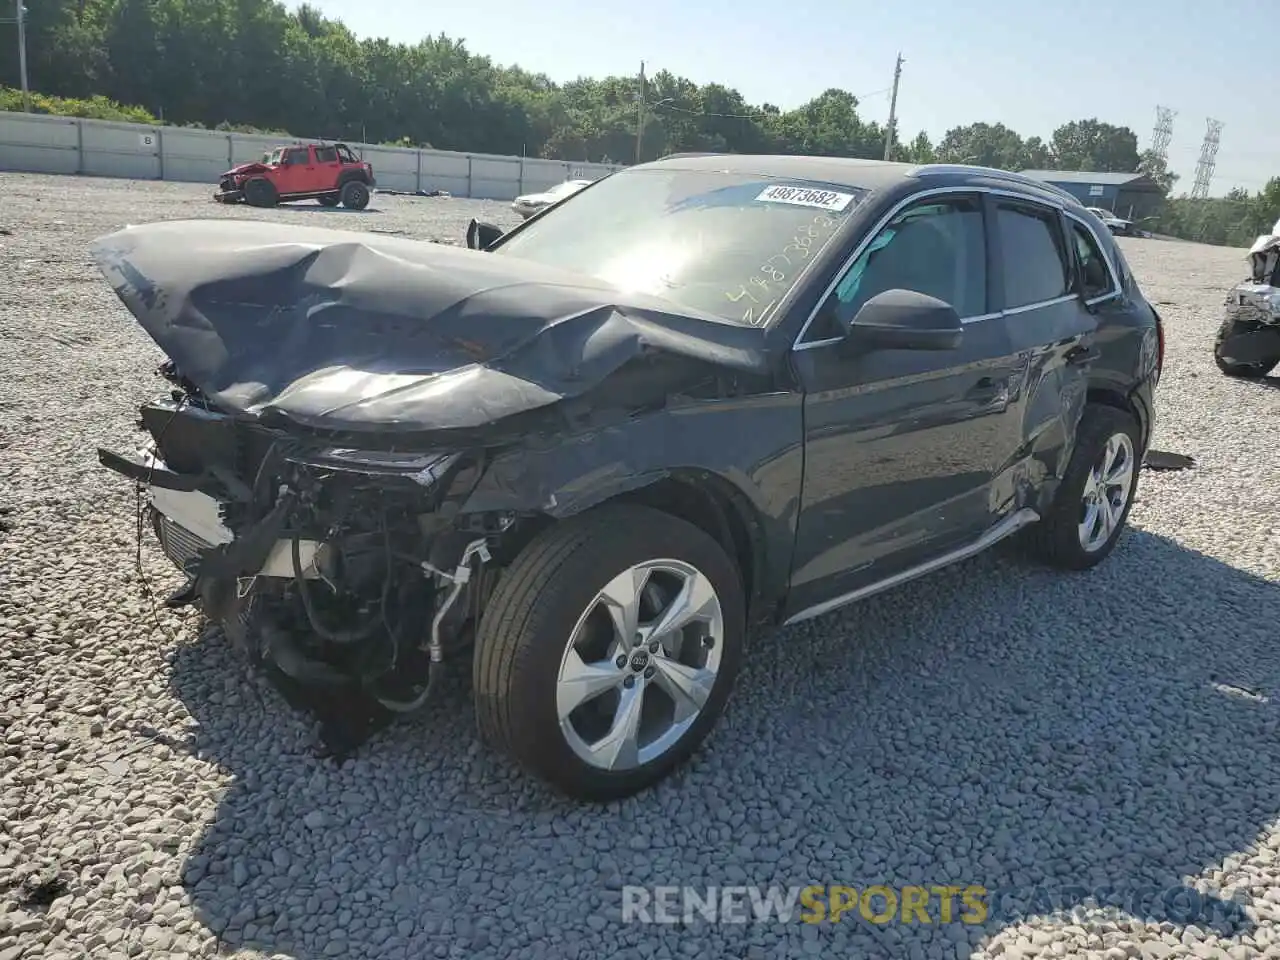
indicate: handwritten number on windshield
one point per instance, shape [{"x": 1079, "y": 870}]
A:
[{"x": 775, "y": 271}]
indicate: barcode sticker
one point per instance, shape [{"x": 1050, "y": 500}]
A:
[{"x": 806, "y": 197}]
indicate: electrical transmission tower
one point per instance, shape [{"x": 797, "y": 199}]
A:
[
  {"x": 1208, "y": 157},
  {"x": 1163, "y": 133}
]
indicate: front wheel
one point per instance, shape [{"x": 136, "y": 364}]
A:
[
  {"x": 260, "y": 193},
  {"x": 608, "y": 650},
  {"x": 354, "y": 195},
  {"x": 1093, "y": 501}
]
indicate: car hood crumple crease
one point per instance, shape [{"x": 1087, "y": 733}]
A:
[{"x": 355, "y": 332}]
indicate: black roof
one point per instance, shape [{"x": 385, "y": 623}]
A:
[
  {"x": 1128, "y": 181},
  {"x": 866, "y": 174}
]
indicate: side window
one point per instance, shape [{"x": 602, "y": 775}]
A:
[
  {"x": 296, "y": 156},
  {"x": 326, "y": 155},
  {"x": 1036, "y": 265},
  {"x": 937, "y": 248},
  {"x": 1093, "y": 265}
]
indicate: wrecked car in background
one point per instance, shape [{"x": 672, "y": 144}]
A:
[
  {"x": 326, "y": 172},
  {"x": 1248, "y": 341},
  {"x": 699, "y": 396}
]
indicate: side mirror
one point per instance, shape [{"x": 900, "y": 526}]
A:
[
  {"x": 904, "y": 320},
  {"x": 480, "y": 236}
]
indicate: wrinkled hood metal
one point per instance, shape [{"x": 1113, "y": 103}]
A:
[
  {"x": 255, "y": 166},
  {"x": 357, "y": 332}
]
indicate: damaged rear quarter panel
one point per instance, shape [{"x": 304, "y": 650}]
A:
[{"x": 753, "y": 443}]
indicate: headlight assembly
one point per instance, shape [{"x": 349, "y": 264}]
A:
[{"x": 422, "y": 468}]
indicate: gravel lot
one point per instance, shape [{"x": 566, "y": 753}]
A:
[{"x": 995, "y": 724}]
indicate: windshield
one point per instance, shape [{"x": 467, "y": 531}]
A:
[{"x": 732, "y": 245}]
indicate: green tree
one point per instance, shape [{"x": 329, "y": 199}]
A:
[
  {"x": 1094, "y": 145},
  {"x": 259, "y": 65}
]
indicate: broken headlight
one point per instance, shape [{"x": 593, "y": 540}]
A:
[{"x": 423, "y": 468}]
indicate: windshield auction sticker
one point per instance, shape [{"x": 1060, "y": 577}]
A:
[{"x": 806, "y": 197}]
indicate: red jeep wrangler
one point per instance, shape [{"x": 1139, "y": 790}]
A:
[{"x": 328, "y": 172}]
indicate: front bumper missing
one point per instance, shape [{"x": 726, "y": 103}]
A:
[{"x": 188, "y": 522}]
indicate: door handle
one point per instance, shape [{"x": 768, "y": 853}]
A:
[{"x": 1081, "y": 355}]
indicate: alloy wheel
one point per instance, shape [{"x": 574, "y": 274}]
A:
[
  {"x": 1107, "y": 488},
  {"x": 640, "y": 664}
]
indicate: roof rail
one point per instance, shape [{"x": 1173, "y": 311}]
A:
[{"x": 995, "y": 173}]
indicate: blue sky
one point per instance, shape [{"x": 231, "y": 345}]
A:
[{"x": 1030, "y": 65}]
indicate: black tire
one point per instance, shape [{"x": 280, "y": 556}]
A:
[
  {"x": 354, "y": 195},
  {"x": 1055, "y": 540},
  {"x": 260, "y": 193},
  {"x": 526, "y": 626},
  {"x": 1231, "y": 327},
  {"x": 329, "y": 200}
]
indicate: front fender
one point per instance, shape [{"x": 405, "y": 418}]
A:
[{"x": 755, "y": 444}]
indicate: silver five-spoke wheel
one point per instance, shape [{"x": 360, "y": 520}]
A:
[
  {"x": 1107, "y": 487},
  {"x": 640, "y": 664}
]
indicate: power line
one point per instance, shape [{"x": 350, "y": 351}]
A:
[{"x": 665, "y": 104}]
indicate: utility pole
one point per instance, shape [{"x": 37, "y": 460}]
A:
[
  {"x": 889, "y": 136},
  {"x": 22, "y": 55},
  {"x": 641, "y": 96}
]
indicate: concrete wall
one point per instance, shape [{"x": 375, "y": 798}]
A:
[{"x": 35, "y": 143}]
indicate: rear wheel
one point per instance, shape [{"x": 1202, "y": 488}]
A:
[
  {"x": 328, "y": 200},
  {"x": 260, "y": 193},
  {"x": 1093, "y": 501},
  {"x": 608, "y": 650},
  {"x": 1253, "y": 370},
  {"x": 354, "y": 195}
]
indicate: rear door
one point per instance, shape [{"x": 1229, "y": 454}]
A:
[
  {"x": 295, "y": 169},
  {"x": 1052, "y": 335},
  {"x": 327, "y": 168}
]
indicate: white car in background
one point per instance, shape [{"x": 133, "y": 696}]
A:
[
  {"x": 532, "y": 203},
  {"x": 1117, "y": 225}
]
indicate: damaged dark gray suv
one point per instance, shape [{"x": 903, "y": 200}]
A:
[{"x": 701, "y": 396}]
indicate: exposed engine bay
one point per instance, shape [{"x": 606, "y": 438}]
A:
[
  {"x": 362, "y": 431},
  {"x": 338, "y": 568}
]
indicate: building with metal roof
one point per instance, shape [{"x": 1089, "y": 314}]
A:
[{"x": 1133, "y": 196}]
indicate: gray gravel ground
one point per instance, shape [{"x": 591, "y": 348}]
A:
[{"x": 996, "y": 724}]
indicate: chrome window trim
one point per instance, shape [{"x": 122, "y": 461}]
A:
[
  {"x": 797, "y": 345},
  {"x": 1038, "y": 305},
  {"x": 993, "y": 173}
]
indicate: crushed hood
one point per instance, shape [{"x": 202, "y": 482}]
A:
[
  {"x": 254, "y": 166},
  {"x": 355, "y": 332}
]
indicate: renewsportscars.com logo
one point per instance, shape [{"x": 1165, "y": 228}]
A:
[
  {"x": 811, "y": 904},
  {"x": 938, "y": 904}
]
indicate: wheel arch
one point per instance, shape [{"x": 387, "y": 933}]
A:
[
  {"x": 346, "y": 176},
  {"x": 701, "y": 498},
  {"x": 718, "y": 509},
  {"x": 1104, "y": 395}
]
